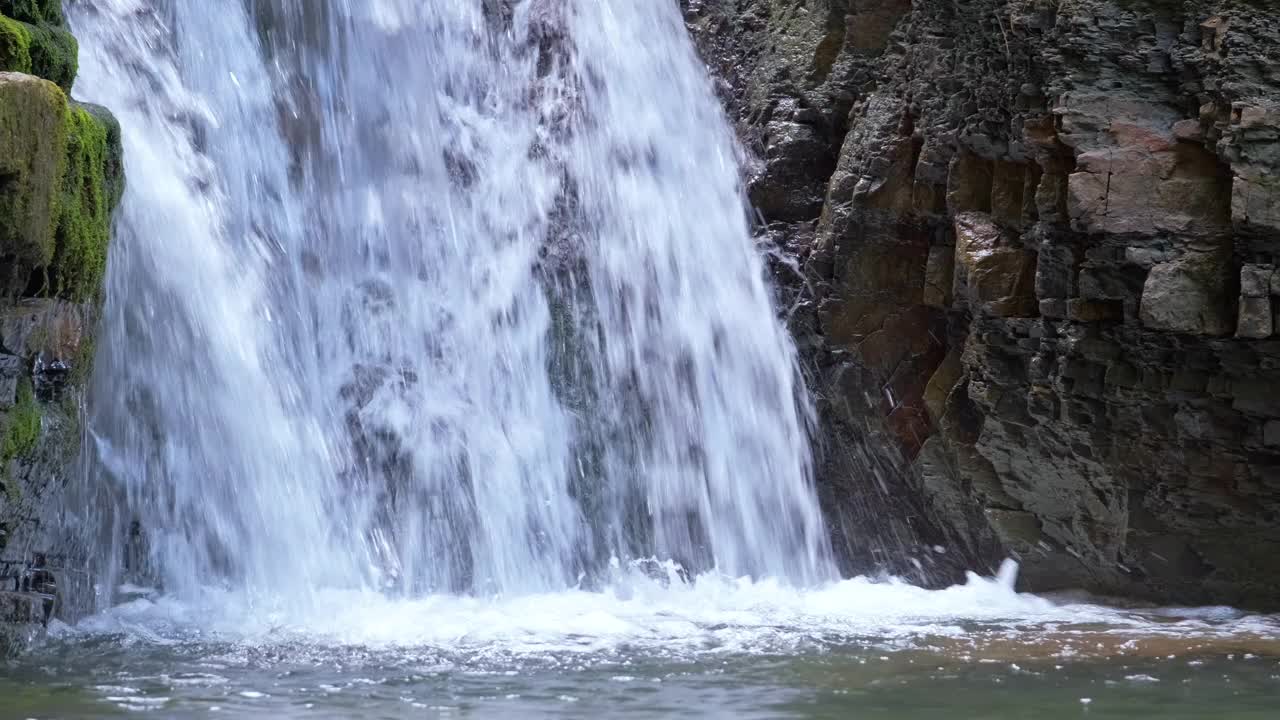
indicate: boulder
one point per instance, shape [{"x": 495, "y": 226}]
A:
[
  {"x": 39, "y": 48},
  {"x": 33, "y": 141},
  {"x": 33, "y": 11}
]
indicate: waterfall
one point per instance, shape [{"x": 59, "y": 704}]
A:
[{"x": 453, "y": 296}]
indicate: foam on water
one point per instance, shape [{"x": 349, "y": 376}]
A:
[{"x": 640, "y": 615}]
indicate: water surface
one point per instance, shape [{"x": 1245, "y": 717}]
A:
[{"x": 645, "y": 649}]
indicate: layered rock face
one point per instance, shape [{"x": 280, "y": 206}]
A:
[
  {"x": 61, "y": 176},
  {"x": 1037, "y": 245}
]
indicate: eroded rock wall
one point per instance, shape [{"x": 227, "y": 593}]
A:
[
  {"x": 1036, "y": 245},
  {"x": 61, "y": 176}
]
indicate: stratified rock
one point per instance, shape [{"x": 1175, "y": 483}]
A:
[
  {"x": 1256, "y": 319},
  {"x": 1188, "y": 295},
  {"x": 1096, "y": 396},
  {"x": 998, "y": 276},
  {"x": 1255, "y": 281}
]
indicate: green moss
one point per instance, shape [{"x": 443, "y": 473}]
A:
[
  {"x": 55, "y": 54},
  {"x": 84, "y": 209},
  {"x": 39, "y": 48},
  {"x": 33, "y": 155},
  {"x": 33, "y": 11},
  {"x": 61, "y": 175},
  {"x": 113, "y": 171},
  {"x": 15, "y": 46},
  {"x": 22, "y": 431},
  {"x": 82, "y": 364}
]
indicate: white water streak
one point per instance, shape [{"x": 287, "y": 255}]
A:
[{"x": 448, "y": 296}]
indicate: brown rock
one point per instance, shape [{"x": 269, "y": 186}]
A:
[
  {"x": 941, "y": 384},
  {"x": 1188, "y": 130},
  {"x": 998, "y": 277},
  {"x": 939, "y": 276},
  {"x": 1007, "y": 186},
  {"x": 969, "y": 184}
]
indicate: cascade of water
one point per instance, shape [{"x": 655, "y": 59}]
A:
[{"x": 449, "y": 296}]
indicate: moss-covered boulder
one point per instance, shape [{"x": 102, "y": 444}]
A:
[
  {"x": 15, "y": 46},
  {"x": 61, "y": 175},
  {"x": 33, "y": 151},
  {"x": 21, "y": 432},
  {"x": 33, "y": 11},
  {"x": 43, "y": 49},
  {"x": 54, "y": 54},
  {"x": 91, "y": 187}
]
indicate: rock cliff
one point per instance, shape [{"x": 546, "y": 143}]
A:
[
  {"x": 61, "y": 176},
  {"x": 1036, "y": 247}
]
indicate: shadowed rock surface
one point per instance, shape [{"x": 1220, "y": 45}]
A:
[{"x": 1028, "y": 248}]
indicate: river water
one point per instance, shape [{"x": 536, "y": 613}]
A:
[
  {"x": 440, "y": 377},
  {"x": 653, "y": 649}
]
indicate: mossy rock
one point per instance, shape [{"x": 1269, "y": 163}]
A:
[
  {"x": 91, "y": 186},
  {"x": 34, "y": 11},
  {"x": 55, "y": 54},
  {"x": 22, "y": 428},
  {"x": 43, "y": 50},
  {"x": 61, "y": 175},
  {"x": 113, "y": 171},
  {"x": 15, "y": 46},
  {"x": 33, "y": 154}
]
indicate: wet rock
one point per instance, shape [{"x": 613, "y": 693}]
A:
[
  {"x": 998, "y": 277},
  {"x": 21, "y": 622}
]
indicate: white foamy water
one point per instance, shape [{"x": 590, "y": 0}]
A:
[
  {"x": 640, "y": 616},
  {"x": 653, "y": 645},
  {"x": 438, "y": 297}
]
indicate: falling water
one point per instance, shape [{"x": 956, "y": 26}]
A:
[
  {"x": 436, "y": 355},
  {"x": 453, "y": 296}
]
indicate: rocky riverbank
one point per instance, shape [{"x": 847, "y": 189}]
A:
[{"x": 1035, "y": 246}]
